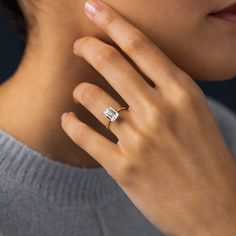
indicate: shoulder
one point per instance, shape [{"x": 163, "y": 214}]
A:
[{"x": 226, "y": 120}]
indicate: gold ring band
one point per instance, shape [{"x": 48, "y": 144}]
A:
[{"x": 118, "y": 110}]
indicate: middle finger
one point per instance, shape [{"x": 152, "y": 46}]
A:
[{"x": 119, "y": 73}]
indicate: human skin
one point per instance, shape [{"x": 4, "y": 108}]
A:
[
  {"x": 33, "y": 100},
  {"x": 41, "y": 89},
  {"x": 171, "y": 159}
]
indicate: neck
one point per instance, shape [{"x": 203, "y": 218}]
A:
[{"x": 34, "y": 98}]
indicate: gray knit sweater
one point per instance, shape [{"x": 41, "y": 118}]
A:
[{"x": 39, "y": 196}]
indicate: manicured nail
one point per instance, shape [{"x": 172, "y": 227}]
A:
[
  {"x": 93, "y": 7},
  {"x": 64, "y": 115},
  {"x": 75, "y": 47},
  {"x": 75, "y": 100}
]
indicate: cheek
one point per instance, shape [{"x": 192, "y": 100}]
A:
[
  {"x": 159, "y": 17},
  {"x": 181, "y": 29}
]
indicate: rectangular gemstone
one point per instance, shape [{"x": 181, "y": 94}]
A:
[{"x": 111, "y": 114}]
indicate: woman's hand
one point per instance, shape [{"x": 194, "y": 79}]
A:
[{"x": 171, "y": 159}]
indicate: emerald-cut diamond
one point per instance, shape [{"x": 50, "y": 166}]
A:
[{"x": 111, "y": 114}]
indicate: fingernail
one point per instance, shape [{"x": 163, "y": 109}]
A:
[
  {"x": 93, "y": 7},
  {"x": 75, "y": 47},
  {"x": 75, "y": 100},
  {"x": 64, "y": 115}
]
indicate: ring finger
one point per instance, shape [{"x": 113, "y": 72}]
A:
[{"x": 96, "y": 100}]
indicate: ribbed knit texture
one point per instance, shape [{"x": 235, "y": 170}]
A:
[
  {"x": 60, "y": 183},
  {"x": 42, "y": 197}
]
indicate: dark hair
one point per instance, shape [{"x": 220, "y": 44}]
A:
[{"x": 17, "y": 17}]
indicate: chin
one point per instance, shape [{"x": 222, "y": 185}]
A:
[
  {"x": 209, "y": 68},
  {"x": 217, "y": 74}
]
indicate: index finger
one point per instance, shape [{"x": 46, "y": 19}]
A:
[{"x": 144, "y": 53}]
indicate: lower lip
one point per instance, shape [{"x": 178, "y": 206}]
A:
[{"x": 228, "y": 16}]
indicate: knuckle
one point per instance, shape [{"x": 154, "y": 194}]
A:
[
  {"x": 106, "y": 57},
  {"x": 188, "y": 96},
  {"x": 137, "y": 42},
  {"x": 188, "y": 87},
  {"x": 153, "y": 113},
  {"x": 138, "y": 139},
  {"x": 157, "y": 120},
  {"x": 183, "y": 93},
  {"x": 183, "y": 97},
  {"x": 87, "y": 92}
]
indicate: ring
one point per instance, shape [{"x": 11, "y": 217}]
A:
[{"x": 111, "y": 114}]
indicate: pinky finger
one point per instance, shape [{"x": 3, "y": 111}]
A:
[{"x": 96, "y": 145}]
